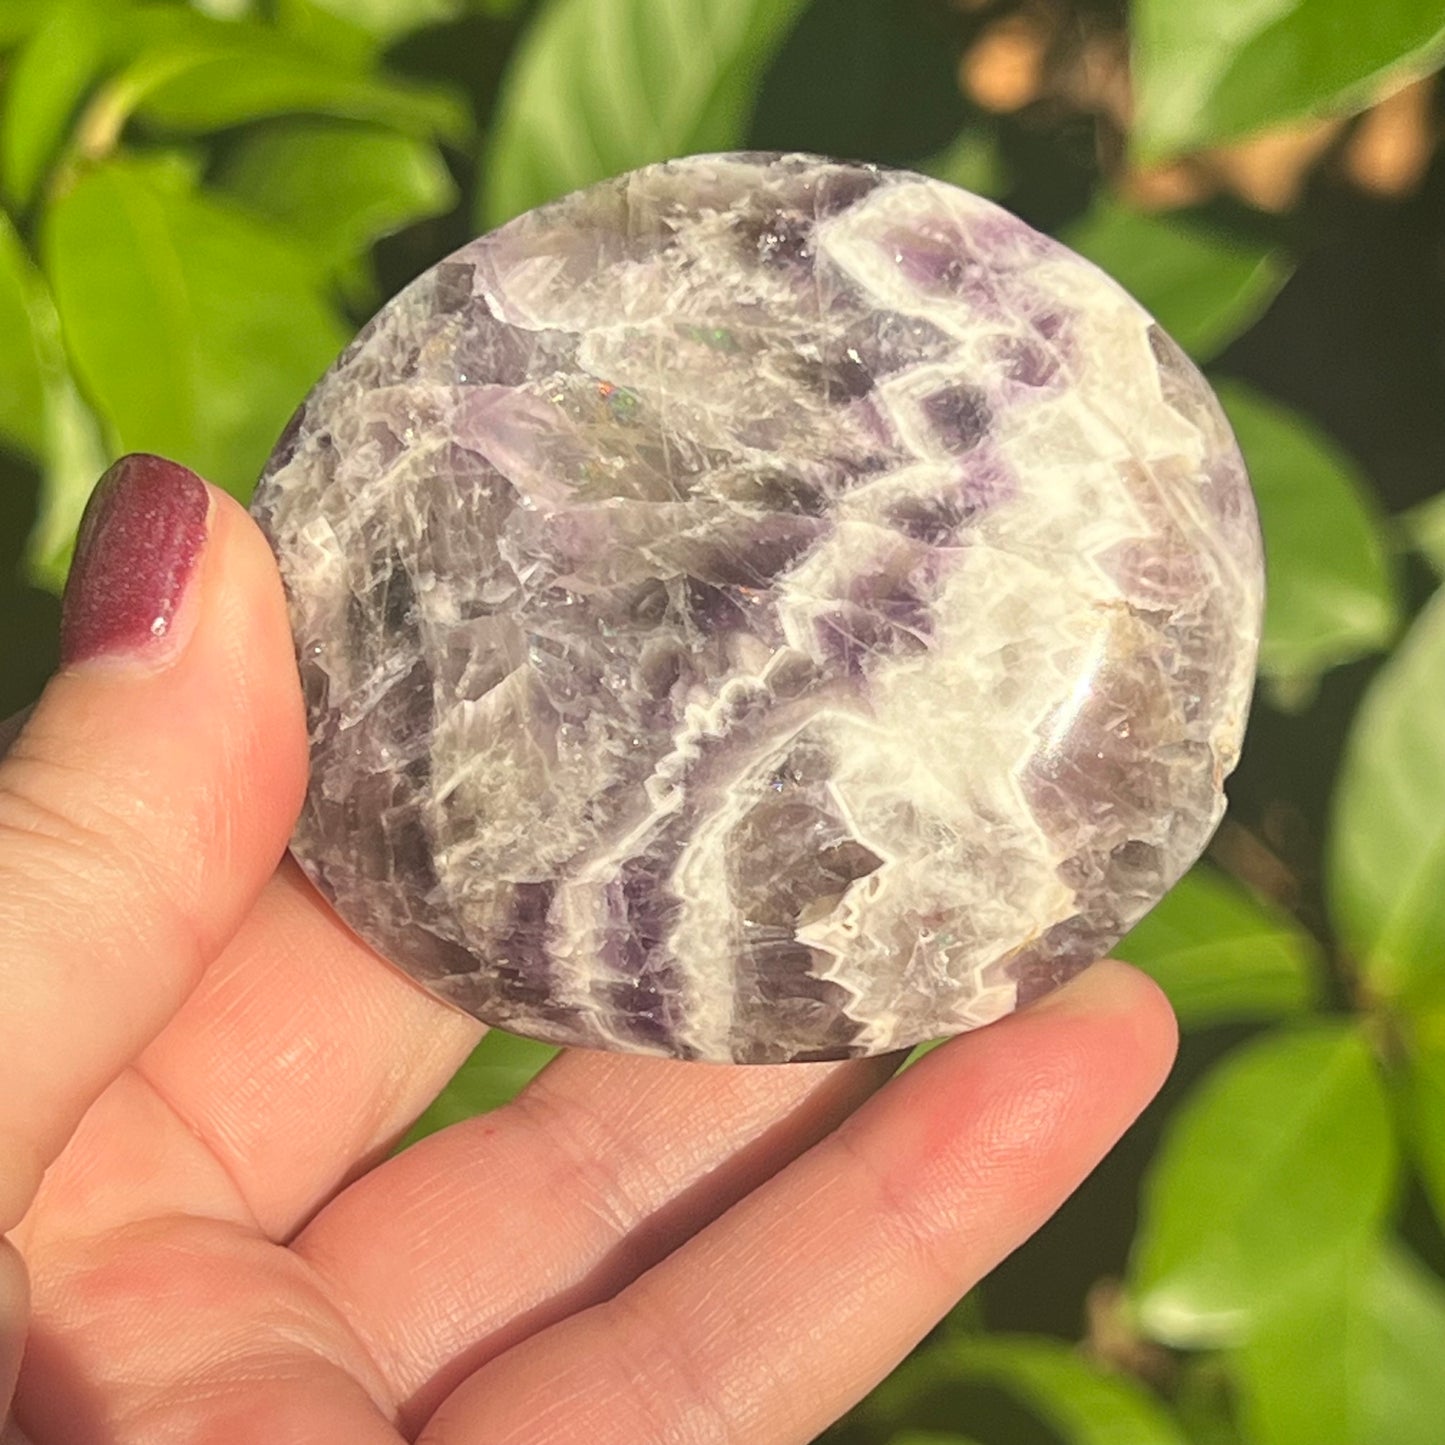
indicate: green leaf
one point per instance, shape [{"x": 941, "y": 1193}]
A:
[
  {"x": 1203, "y": 287},
  {"x": 1223, "y": 955},
  {"x": 601, "y": 86},
  {"x": 126, "y": 311},
  {"x": 49, "y": 80},
  {"x": 42, "y": 412},
  {"x": 1210, "y": 70},
  {"x": 322, "y": 30},
  {"x": 20, "y": 18},
  {"x": 1424, "y": 1104},
  {"x": 1386, "y": 862},
  {"x": 226, "y": 9},
  {"x": 198, "y": 75},
  {"x": 1331, "y": 592},
  {"x": 1282, "y": 1160},
  {"x": 1354, "y": 1360},
  {"x": 1423, "y": 529},
  {"x": 973, "y": 161},
  {"x": 1082, "y": 1403},
  {"x": 195, "y": 330},
  {"x": 499, "y": 1068},
  {"x": 225, "y": 91},
  {"x": 337, "y": 188},
  {"x": 75, "y": 456},
  {"x": 191, "y": 73},
  {"x": 22, "y": 386},
  {"x": 1203, "y": 1398},
  {"x": 388, "y": 20}
]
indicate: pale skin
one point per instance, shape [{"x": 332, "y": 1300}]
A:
[{"x": 202, "y": 1075}]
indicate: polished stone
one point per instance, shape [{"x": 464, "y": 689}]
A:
[{"x": 761, "y": 608}]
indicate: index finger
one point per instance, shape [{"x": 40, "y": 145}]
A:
[{"x": 776, "y": 1318}]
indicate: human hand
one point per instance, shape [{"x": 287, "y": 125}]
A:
[{"x": 209, "y": 1071}]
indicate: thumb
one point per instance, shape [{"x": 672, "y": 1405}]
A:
[{"x": 146, "y": 799}]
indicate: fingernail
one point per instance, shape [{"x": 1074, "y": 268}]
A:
[{"x": 140, "y": 539}]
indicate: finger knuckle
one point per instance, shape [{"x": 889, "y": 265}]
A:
[{"x": 71, "y": 856}]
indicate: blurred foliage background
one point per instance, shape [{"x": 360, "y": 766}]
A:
[{"x": 202, "y": 201}]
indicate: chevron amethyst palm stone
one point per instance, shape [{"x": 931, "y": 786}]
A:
[{"x": 760, "y": 609}]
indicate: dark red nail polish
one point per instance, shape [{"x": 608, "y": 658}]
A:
[{"x": 140, "y": 539}]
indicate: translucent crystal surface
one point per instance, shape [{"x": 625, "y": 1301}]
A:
[{"x": 760, "y": 608}]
